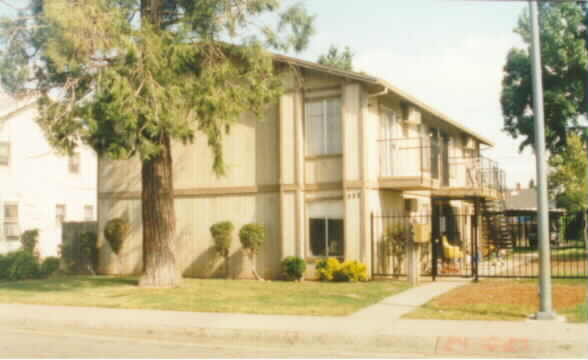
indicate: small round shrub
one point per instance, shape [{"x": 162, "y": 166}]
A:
[
  {"x": 252, "y": 236},
  {"x": 293, "y": 268},
  {"x": 25, "y": 266},
  {"x": 222, "y": 235},
  {"x": 115, "y": 232},
  {"x": 326, "y": 268},
  {"x": 49, "y": 266}
]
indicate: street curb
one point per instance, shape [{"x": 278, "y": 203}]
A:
[{"x": 493, "y": 346}]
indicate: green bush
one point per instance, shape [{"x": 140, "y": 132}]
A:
[
  {"x": 29, "y": 240},
  {"x": 6, "y": 262},
  {"x": 293, "y": 268},
  {"x": 24, "y": 266},
  {"x": 222, "y": 235},
  {"x": 252, "y": 236},
  {"x": 326, "y": 268},
  {"x": 89, "y": 249},
  {"x": 115, "y": 232},
  {"x": 83, "y": 258},
  {"x": 351, "y": 271},
  {"x": 49, "y": 266}
]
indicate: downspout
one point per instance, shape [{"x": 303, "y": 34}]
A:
[{"x": 369, "y": 251}]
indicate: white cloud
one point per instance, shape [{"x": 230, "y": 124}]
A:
[{"x": 463, "y": 81}]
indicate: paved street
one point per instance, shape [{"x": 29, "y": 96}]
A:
[{"x": 40, "y": 344}]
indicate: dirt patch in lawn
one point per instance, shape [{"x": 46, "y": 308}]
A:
[
  {"x": 505, "y": 300},
  {"x": 511, "y": 293}
]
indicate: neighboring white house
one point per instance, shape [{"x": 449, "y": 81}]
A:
[{"x": 39, "y": 188}]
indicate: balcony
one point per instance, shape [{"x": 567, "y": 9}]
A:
[
  {"x": 424, "y": 164},
  {"x": 472, "y": 177},
  {"x": 408, "y": 164}
]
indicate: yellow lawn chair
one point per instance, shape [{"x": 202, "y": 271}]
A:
[{"x": 452, "y": 254}]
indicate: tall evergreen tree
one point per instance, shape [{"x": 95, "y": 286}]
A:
[{"x": 128, "y": 77}]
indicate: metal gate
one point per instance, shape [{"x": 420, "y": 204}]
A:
[{"x": 462, "y": 244}]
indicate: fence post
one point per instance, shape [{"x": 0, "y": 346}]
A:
[
  {"x": 476, "y": 255},
  {"x": 413, "y": 259},
  {"x": 373, "y": 245}
]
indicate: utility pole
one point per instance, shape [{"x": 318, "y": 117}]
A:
[{"x": 545, "y": 310}]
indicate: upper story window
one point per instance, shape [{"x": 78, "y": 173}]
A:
[
  {"x": 60, "y": 213},
  {"x": 4, "y": 154},
  {"x": 11, "y": 226},
  {"x": 323, "y": 127},
  {"x": 74, "y": 163},
  {"x": 89, "y": 212}
]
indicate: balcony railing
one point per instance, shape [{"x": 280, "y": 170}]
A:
[
  {"x": 409, "y": 158},
  {"x": 476, "y": 173},
  {"x": 422, "y": 163}
]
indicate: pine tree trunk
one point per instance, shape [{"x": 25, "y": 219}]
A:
[{"x": 159, "y": 221}]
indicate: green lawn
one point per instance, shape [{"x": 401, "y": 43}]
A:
[
  {"x": 235, "y": 296},
  {"x": 505, "y": 300}
]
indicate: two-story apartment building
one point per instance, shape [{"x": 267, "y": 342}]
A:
[
  {"x": 39, "y": 188},
  {"x": 336, "y": 147}
]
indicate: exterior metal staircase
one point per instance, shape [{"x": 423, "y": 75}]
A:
[{"x": 495, "y": 225}]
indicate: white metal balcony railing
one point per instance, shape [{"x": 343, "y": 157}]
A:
[
  {"x": 477, "y": 173},
  {"x": 421, "y": 158}
]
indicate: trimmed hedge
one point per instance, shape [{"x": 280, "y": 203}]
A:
[
  {"x": 49, "y": 266},
  {"x": 252, "y": 236},
  {"x": 222, "y": 235},
  {"x": 23, "y": 265},
  {"x": 115, "y": 232}
]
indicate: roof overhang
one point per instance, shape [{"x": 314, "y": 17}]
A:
[{"x": 368, "y": 79}]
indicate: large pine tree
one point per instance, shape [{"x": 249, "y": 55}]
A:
[{"x": 128, "y": 77}]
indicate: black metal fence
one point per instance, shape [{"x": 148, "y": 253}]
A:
[
  {"x": 390, "y": 236},
  {"x": 465, "y": 245}
]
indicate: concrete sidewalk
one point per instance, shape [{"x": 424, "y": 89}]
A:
[
  {"x": 395, "y": 306},
  {"x": 376, "y": 328}
]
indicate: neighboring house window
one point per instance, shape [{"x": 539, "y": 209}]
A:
[
  {"x": 323, "y": 127},
  {"x": 89, "y": 212},
  {"x": 74, "y": 163},
  {"x": 326, "y": 229},
  {"x": 4, "y": 154},
  {"x": 11, "y": 226},
  {"x": 60, "y": 213}
]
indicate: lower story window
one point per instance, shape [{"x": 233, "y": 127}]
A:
[{"x": 326, "y": 229}]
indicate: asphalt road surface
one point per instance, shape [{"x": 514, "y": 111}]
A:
[{"x": 16, "y": 343}]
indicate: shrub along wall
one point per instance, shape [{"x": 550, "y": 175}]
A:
[{"x": 24, "y": 265}]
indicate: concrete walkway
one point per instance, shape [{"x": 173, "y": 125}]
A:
[
  {"x": 377, "y": 328},
  {"x": 394, "y": 307}
]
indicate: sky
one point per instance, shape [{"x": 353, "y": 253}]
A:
[{"x": 447, "y": 53}]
